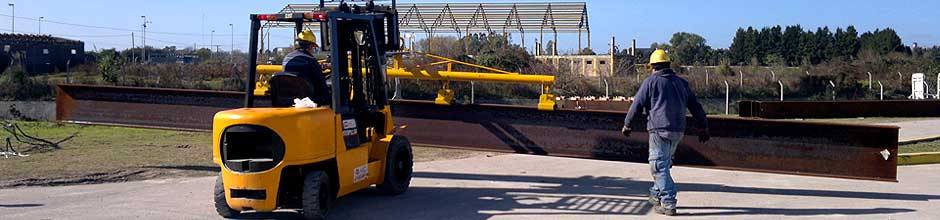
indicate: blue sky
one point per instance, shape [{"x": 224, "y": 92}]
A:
[{"x": 185, "y": 23}]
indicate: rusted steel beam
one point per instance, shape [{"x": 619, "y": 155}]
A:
[
  {"x": 819, "y": 149},
  {"x": 594, "y": 105},
  {"x": 789, "y": 147},
  {"x": 143, "y": 107},
  {"x": 839, "y": 109}
]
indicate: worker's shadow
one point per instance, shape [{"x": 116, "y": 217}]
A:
[{"x": 521, "y": 196}]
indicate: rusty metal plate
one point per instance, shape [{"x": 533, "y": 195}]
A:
[
  {"x": 143, "y": 107},
  {"x": 819, "y": 149},
  {"x": 839, "y": 109},
  {"x": 593, "y": 105},
  {"x": 789, "y": 147}
]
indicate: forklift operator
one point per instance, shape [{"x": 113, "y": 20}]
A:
[{"x": 302, "y": 63}]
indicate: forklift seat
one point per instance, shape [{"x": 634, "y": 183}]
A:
[{"x": 285, "y": 87}]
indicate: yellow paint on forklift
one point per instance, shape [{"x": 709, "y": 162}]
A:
[
  {"x": 296, "y": 127},
  {"x": 311, "y": 127},
  {"x": 267, "y": 181},
  {"x": 919, "y": 158},
  {"x": 348, "y": 161}
]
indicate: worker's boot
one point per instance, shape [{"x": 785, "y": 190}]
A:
[
  {"x": 654, "y": 201},
  {"x": 665, "y": 209}
]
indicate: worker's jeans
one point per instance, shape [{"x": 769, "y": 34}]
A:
[{"x": 662, "y": 147}]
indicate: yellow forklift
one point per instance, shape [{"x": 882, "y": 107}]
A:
[{"x": 286, "y": 158}]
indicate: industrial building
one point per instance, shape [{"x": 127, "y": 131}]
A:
[{"x": 43, "y": 53}]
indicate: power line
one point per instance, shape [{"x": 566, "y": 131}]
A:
[
  {"x": 108, "y": 28},
  {"x": 92, "y": 36}
]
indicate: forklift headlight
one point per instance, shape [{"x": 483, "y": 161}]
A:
[{"x": 251, "y": 148}]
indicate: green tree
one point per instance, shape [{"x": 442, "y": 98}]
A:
[
  {"x": 688, "y": 48},
  {"x": 808, "y": 48},
  {"x": 790, "y": 45},
  {"x": 881, "y": 41},
  {"x": 847, "y": 43},
  {"x": 738, "y": 49},
  {"x": 586, "y": 51},
  {"x": 774, "y": 59},
  {"x": 746, "y": 45},
  {"x": 823, "y": 45},
  {"x": 109, "y": 61}
]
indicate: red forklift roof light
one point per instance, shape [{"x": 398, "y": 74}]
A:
[
  {"x": 317, "y": 16},
  {"x": 269, "y": 17}
]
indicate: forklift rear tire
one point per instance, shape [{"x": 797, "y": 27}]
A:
[
  {"x": 317, "y": 195},
  {"x": 220, "y": 205},
  {"x": 398, "y": 167}
]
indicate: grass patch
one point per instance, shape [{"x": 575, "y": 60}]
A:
[
  {"x": 107, "y": 154},
  {"x": 932, "y": 146},
  {"x": 104, "y": 149}
]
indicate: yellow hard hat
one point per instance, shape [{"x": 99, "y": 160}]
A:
[
  {"x": 307, "y": 36},
  {"x": 659, "y": 56}
]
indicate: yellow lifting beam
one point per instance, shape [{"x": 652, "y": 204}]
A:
[{"x": 445, "y": 95}]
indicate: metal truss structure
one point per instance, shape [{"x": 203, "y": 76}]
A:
[{"x": 473, "y": 18}]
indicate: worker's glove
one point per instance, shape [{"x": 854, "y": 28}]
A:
[
  {"x": 626, "y": 131},
  {"x": 704, "y": 135}
]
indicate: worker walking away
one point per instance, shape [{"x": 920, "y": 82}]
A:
[
  {"x": 302, "y": 63},
  {"x": 665, "y": 96}
]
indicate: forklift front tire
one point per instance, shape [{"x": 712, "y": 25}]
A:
[{"x": 398, "y": 167}]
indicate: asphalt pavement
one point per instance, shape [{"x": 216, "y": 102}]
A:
[
  {"x": 524, "y": 187},
  {"x": 917, "y": 130}
]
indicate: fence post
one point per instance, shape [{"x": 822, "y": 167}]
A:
[
  {"x": 869, "y": 81},
  {"x": 397, "y": 94},
  {"x": 727, "y": 98},
  {"x": 637, "y": 77},
  {"x": 473, "y": 93},
  {"x": 781, "y": 89},
  {"x": 881, "y": 87},
  {"x": 606, "y": 88},
  {"x": 68, "y": 72},
  {"x": 741, "y": 82},
  {"x": 706, "y": 79},
  {"x": 926, "y": 89},
  {"x": 833, "y": 89}
]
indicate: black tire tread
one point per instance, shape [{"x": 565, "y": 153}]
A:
[
  {"x": 391, "y": 185},
  {"x": 221, "y": 206},
  {"x": 313, "y": 183}
]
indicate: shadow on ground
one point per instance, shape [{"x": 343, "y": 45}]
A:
[
  {"x": 584, "y": 196},
  {"x": 20, "y": 205},
  {"x": 214, "y": 169},
  {"x": 550, "y": 196}
]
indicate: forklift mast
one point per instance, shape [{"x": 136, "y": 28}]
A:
[{"x": 358, "y": 39}]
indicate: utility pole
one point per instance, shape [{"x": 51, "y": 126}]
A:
[
  {"x": 144, "y": 56},
  {"x": 133, "y": 45},
  {"x": 12, "y": 18},
  {"x": 231, "y": 53},
  {"x": 211, "y": 43},
  {"x": 40, "y": 24}
]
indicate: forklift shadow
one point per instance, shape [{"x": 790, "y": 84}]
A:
[{"x": 486, "y": 196}]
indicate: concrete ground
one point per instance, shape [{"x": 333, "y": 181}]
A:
[
  {"x": 917, "y": 130},
  {"x": 524, "y": 187}
]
